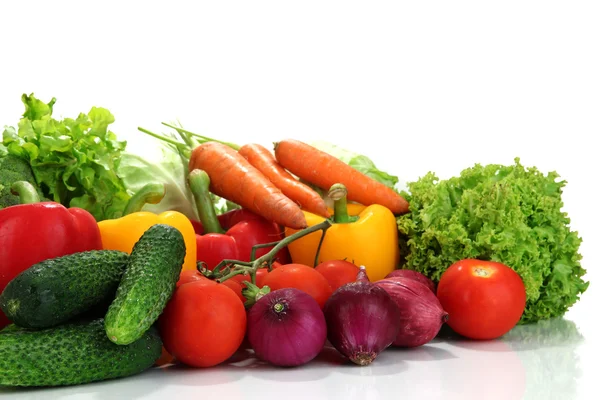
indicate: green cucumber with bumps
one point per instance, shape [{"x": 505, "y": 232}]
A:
[
  {"x": 147, "y": 284},
  {"x": 73, "y": 353},
  {"x": 56, "y": 290}
]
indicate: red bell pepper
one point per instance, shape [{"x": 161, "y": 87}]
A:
[
  {"x": 232, "y": 235},
  {"x": 31, "y": 233}
]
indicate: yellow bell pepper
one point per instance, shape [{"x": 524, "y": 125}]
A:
[
  {"x": 363, "y": 235},
  {"x": 122, "y": 233}
]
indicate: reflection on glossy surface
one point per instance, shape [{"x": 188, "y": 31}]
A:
[
  {"x": 543, "y": 358},
  {"x": 536, "y": 361},
  {"x": 548, "y": 352}
]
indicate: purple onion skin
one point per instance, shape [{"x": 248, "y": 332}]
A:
[
  {"x": 422, "y": 315},
  {"x": 362, "y": 320},
  {"x": 409, "y": 273},
  {"x": 286, "y": 327}
]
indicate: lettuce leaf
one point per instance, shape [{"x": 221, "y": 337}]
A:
[
  {"x": 168, "y": 165},
  {"x": 74, "y": 161},
  {"x": 165, "y": 166},
  {"x": 508, "y": 214}
]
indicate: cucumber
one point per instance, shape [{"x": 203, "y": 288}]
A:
[
  {"x": 56, "y": 290},
  {"x": 70, "y": 354},
  {"x": 147, "y": 285}
]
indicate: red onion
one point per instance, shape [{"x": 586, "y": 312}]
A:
[
  {"x": 362, "y": 319},
  {"x": 286, "y": 327},
  {"x": 422, "y": 315},
  {"x": 409, "y": 273}
]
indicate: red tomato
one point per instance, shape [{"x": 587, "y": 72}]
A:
[
  {"x": 484, "y": 299},
  {"x": 193, "y": 275},
  {"x": 236, "y": 287},
  {"x": 338, "y": 272},
  {"x": 203, "y": 325},
  {"x": 261, "y": 274},
  {"x": 165, "y": 358},
  {"x": 275, "y": 265},
  {"x": 301, "y": 277}
]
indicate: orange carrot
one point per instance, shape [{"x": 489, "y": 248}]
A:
[
  {"x": 264, "y": 160},
  {"x": 323, "y": 170},
  {"x": 235, "y": 179}
]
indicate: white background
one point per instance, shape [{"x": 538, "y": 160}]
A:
[{"x": 416, "y": 86}]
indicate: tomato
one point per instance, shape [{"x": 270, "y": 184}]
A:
[
  {"x": 195, "y": 276},
  {"x": 261, "y": 274},
  {"x": 301, "y": 277},
  {"x": 203, "y": 325},
  {"x": 338, "y": 272},
  {"x": 236, "y": 287},
  {"x": 187, "y": 276},
  {"x": 165, "y": 358},
  {"x": 275, "y": 265},
  {"x": 484, "y": 299}
]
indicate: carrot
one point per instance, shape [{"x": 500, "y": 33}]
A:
[
  {"x": 233, "y": 178},
  {"x": 264, "y": 160},
  {"x": 323, "y": 170}
]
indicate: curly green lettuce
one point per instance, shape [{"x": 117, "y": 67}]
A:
[
  {"x": 508, "y": 214},
  {"x": 74, "y": 161}
]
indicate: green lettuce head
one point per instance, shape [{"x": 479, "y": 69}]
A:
[{"x": 508, "y": 214}]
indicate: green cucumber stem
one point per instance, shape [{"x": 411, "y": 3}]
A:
[
  {"x": 199, "y": 184},
  {"x": 26, "y": 192},
  {"x": 151, "y": 193}
]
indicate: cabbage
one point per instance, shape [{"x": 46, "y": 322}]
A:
[{"x": 161, "y": 165}]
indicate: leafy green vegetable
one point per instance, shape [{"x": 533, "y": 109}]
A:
[
  {"x": 184, "y": 143},
  {"x": 357, "y": 161},
  {"x": 13, "y": 169},
  {"x": 166, "y": 167},
  {"x": 508, "y": 214},
  {"x": 74, "y": 161}
]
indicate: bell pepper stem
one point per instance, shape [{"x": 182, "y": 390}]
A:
[
  {"x": 338, "y": 193},
  {"x": 151, "y": 193},
  {"x": 25, "y": 191},
  {"x": 200, "y": 185}
]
